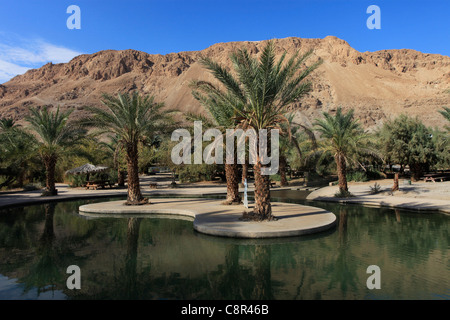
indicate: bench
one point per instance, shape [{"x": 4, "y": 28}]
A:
[
  {"x": 98, "y": 184},
  {"x": 433, "y": 179}
]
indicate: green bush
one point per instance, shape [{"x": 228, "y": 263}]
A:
[
  {"x": 375, "y": 175},
  {"x": 77, "y": 181},
  {"x": 196, "y": 173},
  {"x": 32, "y": 186},
  {"x": 357, "y": 176}
]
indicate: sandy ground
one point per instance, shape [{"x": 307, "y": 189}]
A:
[
  {"x": 425, "y": 190},
  {"x": 417, "y": 195}
]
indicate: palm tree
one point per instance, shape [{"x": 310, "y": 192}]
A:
[
  {"x": 290, "y": 143},
  {"x": 259, "y": 94},
  {"x": 16, "y": 152},
  {"x": 343, "y": 137},
  {"x": 55, "y": 137},
  {"x": 446, "y": 114},
  {"x": 7, "y": 124},
  {"x": 134, "y": 118},
  {"x": 223, "y": 116},
  {"x": 113, "y": 150}
]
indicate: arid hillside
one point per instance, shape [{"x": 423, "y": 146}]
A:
[{"x": 378, "y": 85}]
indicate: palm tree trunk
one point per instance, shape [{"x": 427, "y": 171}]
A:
[
  {"x": 232, "y": 176},
  {"x": 342, "y": 173},
  {"x": 395, "y": 186},
  {"x": 263, "y": 208},
  {"x": 245, "y": 171},
  {"x": 120, "y": 177},
  {"x": 134, "y": 191},
  {"x": 416, "y": 171},
  {"x": 50, "y": 165},
  {"x": 283, "y": 179}
]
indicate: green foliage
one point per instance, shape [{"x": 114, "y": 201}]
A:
[
  {"x": 261, "y": 89},
  {"x": 277, "y": 177},
  {"x": 57, "y": 138},
  {"x": 407, "y": 141},
  {"x": 373, "y": 174},
  {"x": 341, "y": 134},
  {"x": 342, "y": 137},
  {"x": 357, "y": 176},
  {"x": 77, "y": 180},
  {"x": 132, "y": 117},
  {"x": 17, "y": 154},
  {"x": 32, "y": 186},
  {"x": 376, "y": 188},
  {"x": 197, "y": 172},
  {"x": 441, "y": 141},
  {"x": 446, "y": 114},
  {"x": 56, "y": 135}
]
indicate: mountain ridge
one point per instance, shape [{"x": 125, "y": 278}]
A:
[{"x": 377, "y": 85}]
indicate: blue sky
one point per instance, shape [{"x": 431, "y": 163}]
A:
[{"x": 34, "y": 32}]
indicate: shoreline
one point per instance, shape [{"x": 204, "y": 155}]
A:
[{"x": 417, "y": 196}]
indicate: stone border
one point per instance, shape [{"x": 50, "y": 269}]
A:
[{"x": 211, "y": 217}]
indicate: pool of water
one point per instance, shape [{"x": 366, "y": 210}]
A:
[{"x": 145, "y": 258}]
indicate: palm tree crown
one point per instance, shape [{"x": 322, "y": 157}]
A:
[{"x": 263, "y": 88}]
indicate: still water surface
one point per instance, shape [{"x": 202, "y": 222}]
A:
[{"x": 148, "y": 258}]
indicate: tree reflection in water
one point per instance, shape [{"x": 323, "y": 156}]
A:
[{"x": 140, "y": 258}]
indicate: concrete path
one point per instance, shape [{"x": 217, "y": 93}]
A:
[
  {"x": 209, "y": 215},
  {"x": 65, "y": 192},
  {"x": 212, "y": 217},
  {"x": 420, "y": 196}
]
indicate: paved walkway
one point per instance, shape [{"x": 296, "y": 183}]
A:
[
  {"x": 67, "y": 193},
  {"x": 212, "y": 217},
  {"x": 209, "y": 215},
  {"x": 419, "y": 196}
]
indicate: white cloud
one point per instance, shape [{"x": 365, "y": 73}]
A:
[
  {"x": 9, "y": 70},
  {"x": 16, "y": 57}
]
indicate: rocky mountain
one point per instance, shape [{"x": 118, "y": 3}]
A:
[{"x": 378, "y": 85}]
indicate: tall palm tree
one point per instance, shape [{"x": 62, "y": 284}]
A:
[
  {"x": 56, "y": 136},
  {"x": 343, "y": 137},
  {"x": 134, "y": 118},
  {"x": 223, "y": 117},
  {"x": 290, "y": 143},
  {"x": 260, "y": 92}
]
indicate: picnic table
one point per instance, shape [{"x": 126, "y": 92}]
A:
[
  {"x": 435, "y": 177},
  {"x": 99, "y": 184}
]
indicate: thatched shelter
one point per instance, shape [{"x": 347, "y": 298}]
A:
[{"x": 86, "y": 169}]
